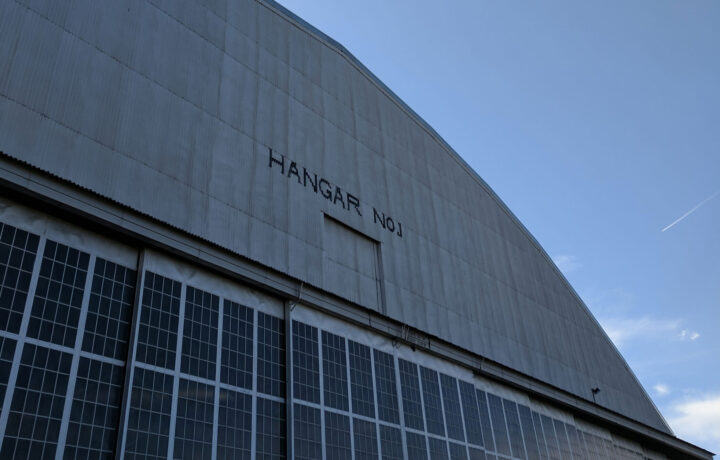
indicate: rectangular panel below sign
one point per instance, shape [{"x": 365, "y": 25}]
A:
[{"x": 351, "y": 264}]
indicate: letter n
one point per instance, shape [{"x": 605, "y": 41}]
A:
[{"x": 378, "y": 218}]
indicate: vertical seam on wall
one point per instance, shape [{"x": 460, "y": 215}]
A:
[{"x": 380, "y": 279}]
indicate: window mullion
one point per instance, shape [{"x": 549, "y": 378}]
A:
[
  {"x": 422, "y": 406},
  {"x": 375, "y": 399},
  {"x": 401, "y": 408},
  {"x": 350, "y": 401},
  {"x": 218, "y": 362},
  {"x": 442, "y": 412},
  {"x": 21, "y": 338},
  {"x": 321, "y": 385},
  {"x": 176, "y": 372},
  {"x": 131, "y": 357},
  {"x": 59, "y": 452},
  {"x": 462, "y": 416}
]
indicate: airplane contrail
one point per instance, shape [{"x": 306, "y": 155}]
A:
[{"x": 693, "y": 209}]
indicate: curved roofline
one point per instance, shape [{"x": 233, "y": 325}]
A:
[{"x": 340, "y": 49}]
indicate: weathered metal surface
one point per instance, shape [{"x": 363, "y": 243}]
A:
[{"x": 171, "y": 108}]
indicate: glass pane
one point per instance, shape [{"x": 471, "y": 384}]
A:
[
  {"x": 599, "y": 449},
  {"x": 476, "y": 454},
  {"x": 237, "y": 343},
  {"x": 593, "y": 445},
  {"x": 200, "y": 330},
  {"x": 386, "y": 387},
  {"x": 7, "y": 353},
  {"x": 271, "y": 355},
  {"x": 470, "y": 413},
  {"x": 485, "y": 420},
  {"x": 159, "y": 318},
  {"x": 531, "y": 444},
  {"x": 365, "y": 439},
  {"x": 337, "y": 436},
  {"x": 36, "y": 410},
  {"x": 270, "y": 430},
  {"x": 438, "y": 449},
  {"x": 58, "y": 296},
  {"x": 542, "y": 445},
  {"x": 361, "y": 383},
  {"x": 307, "y": 442},
  {"x": 578, "y": 450},
  {"x": 451, "y": 404},
  {"x": 306, "y": 368},
  {"x": 107, "y": 327},
  {"x": 584, "y": 447},
  {"x": 550, "y": 438},
  {"x": 416, "y": 446},
  {"x": 95, "y": 410},
  {"x": 335, "y": 371},
  {"x": 458, "y": 451},
  {"x": 148, "y": 428},
  {"x": 498, "y": 422},
  {"x": 513, "y": 423},
  {"x": 234, "y": 425},
  {"x": 194, "y": 420},
  {"x": 562, "y": 438},
  {"x": 18, "y": 249},
  {"x": 609, "y": 449},
  {"x": 411, "y": 395},
  {"x": 431, "y": 398},
  {"x": 391, "y": 443}
]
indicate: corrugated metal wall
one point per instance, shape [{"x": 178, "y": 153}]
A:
[{"x": 171, "y": 108}]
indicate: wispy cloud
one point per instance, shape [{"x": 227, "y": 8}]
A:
[
  {"x": 621, "y": 330},
  {"x": 661, "y": 389},
  {"x": 688, "y": 335},
  {"x": 566, "y": 263},
  {"x": 697, "y": 419},
  {"x": 695, "y": 208}
]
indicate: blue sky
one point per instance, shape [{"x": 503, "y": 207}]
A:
[{"x": 598, "y": 123}]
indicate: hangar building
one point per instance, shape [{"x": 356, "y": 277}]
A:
[{"x": 222, "y": 237}]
